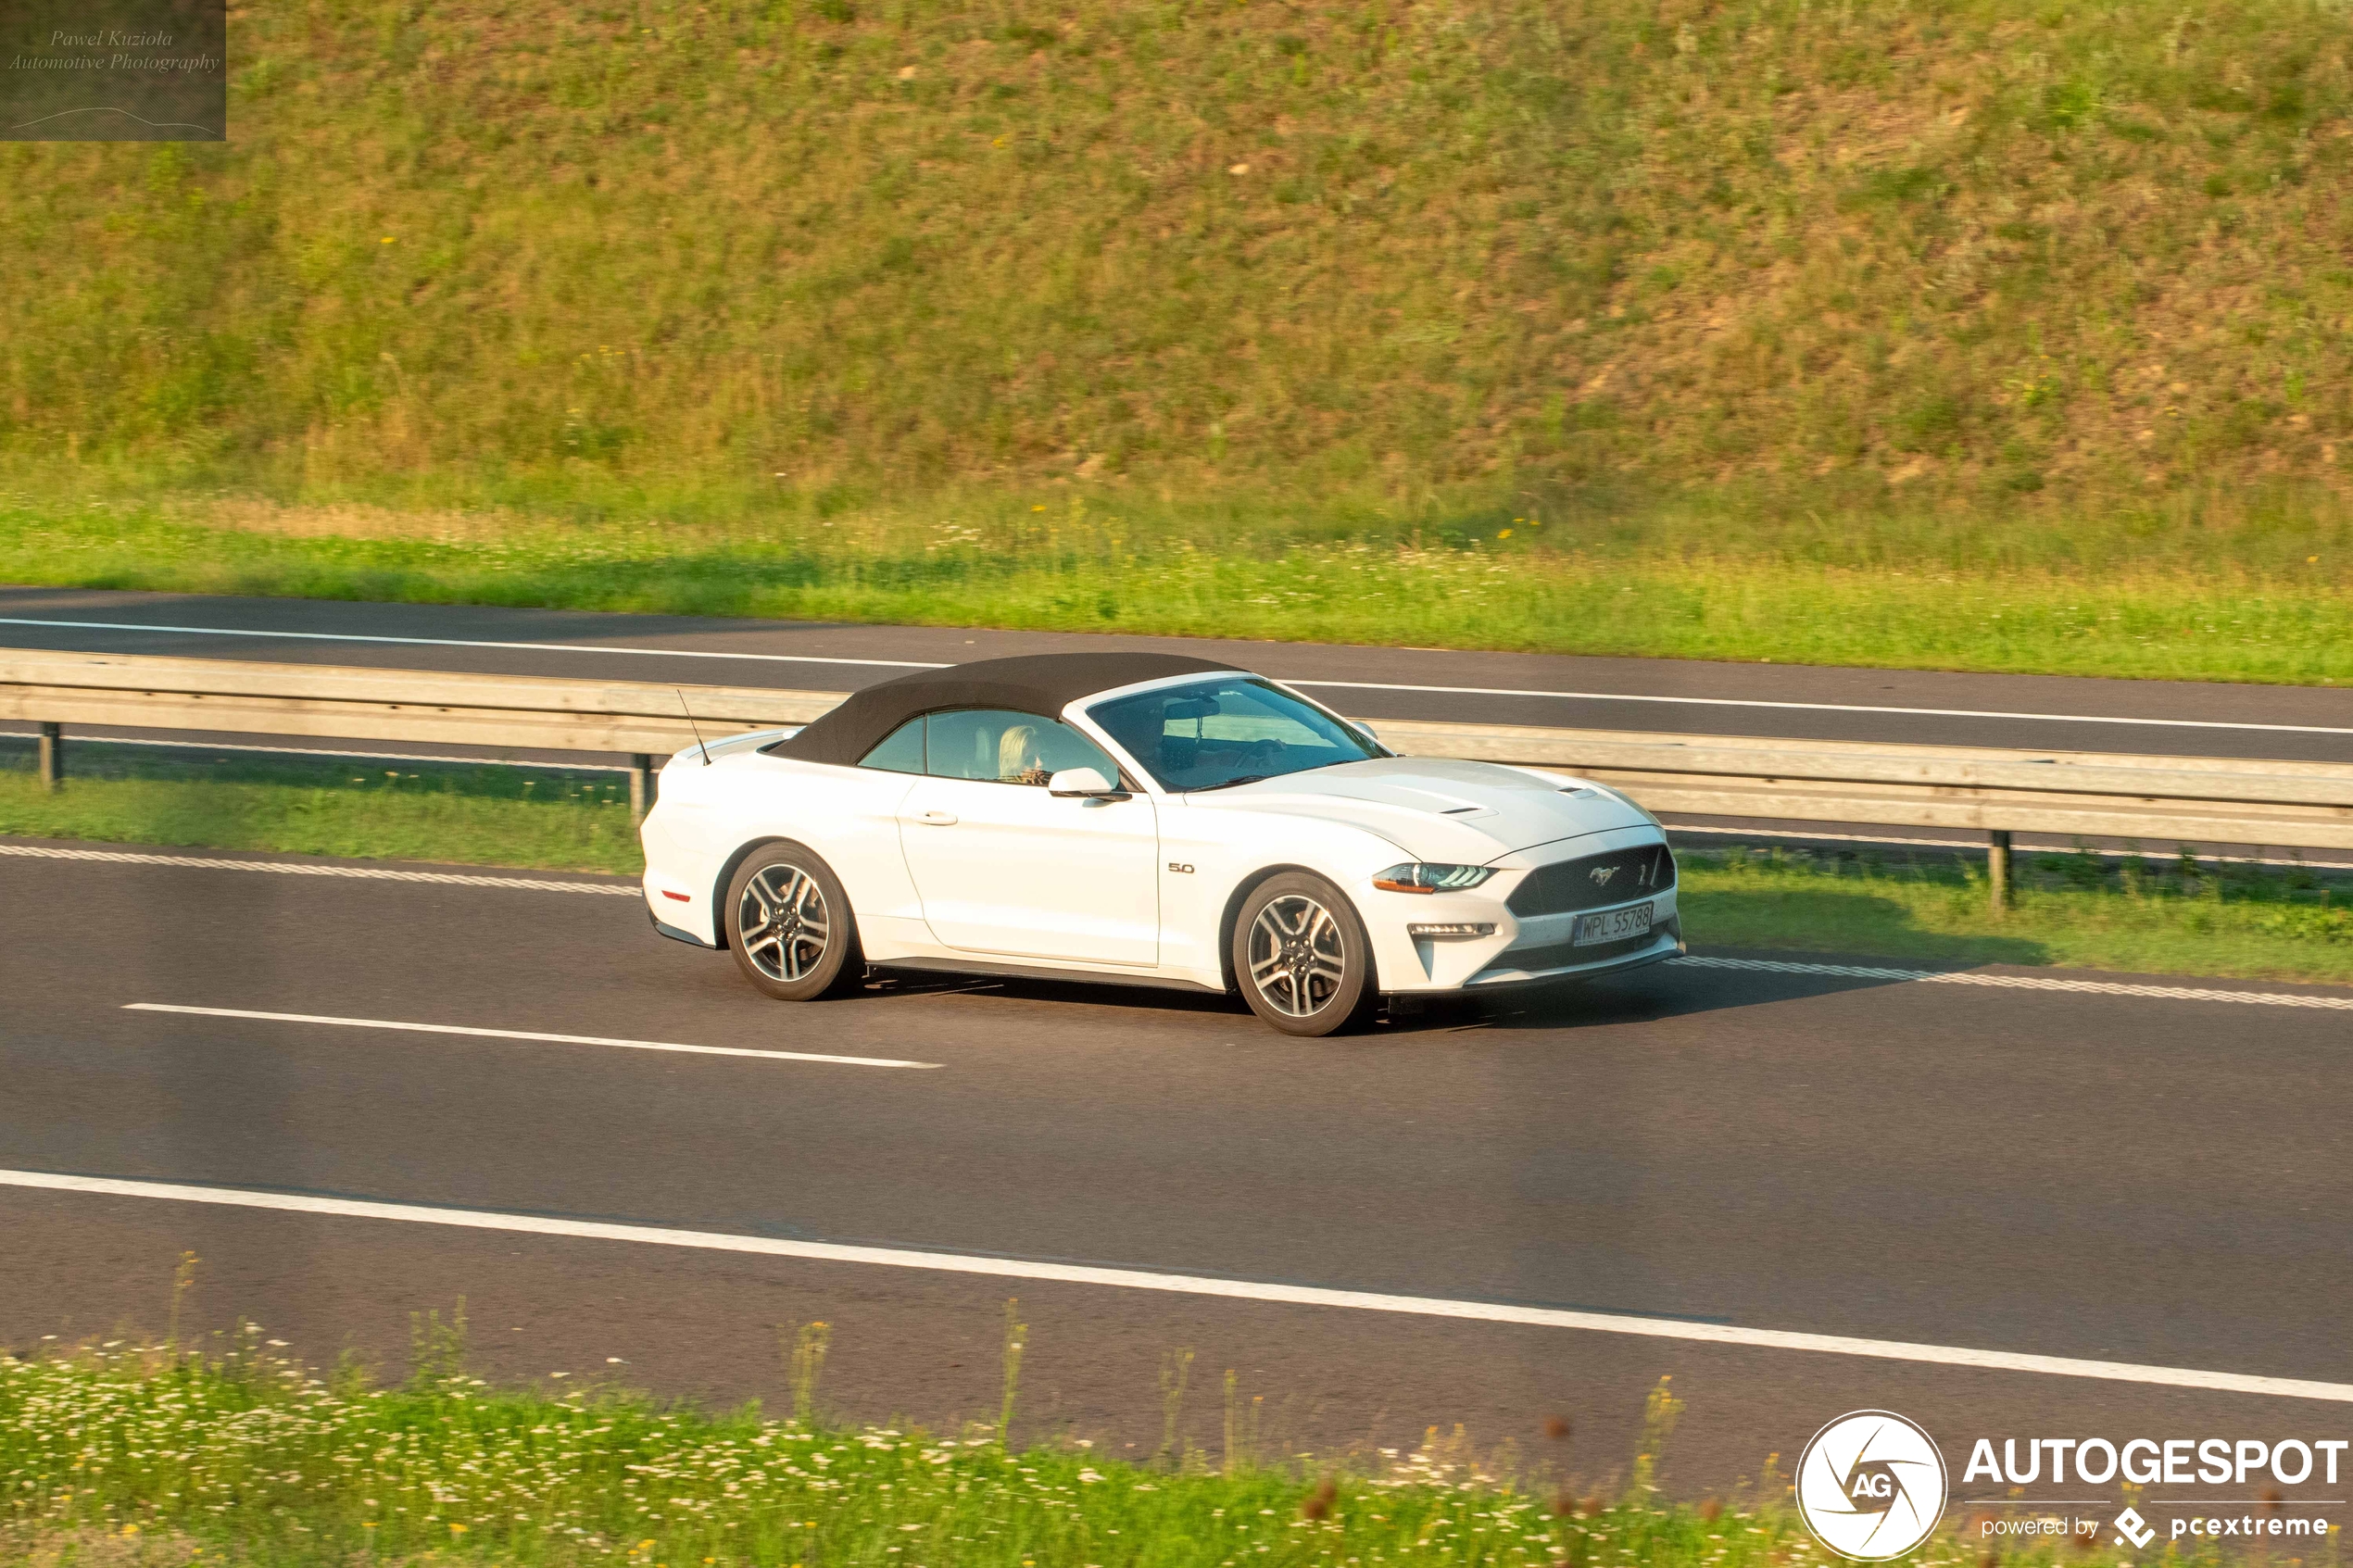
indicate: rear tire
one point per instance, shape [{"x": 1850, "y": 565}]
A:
[
  {"x": 789, "y": 926},
  {"x": 1302, "y": 958}
]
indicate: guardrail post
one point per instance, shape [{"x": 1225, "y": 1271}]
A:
[
  {"x": 1997, "y": 867},
  {"x": 53, "y": 756},
  {"x": 641, "y": 786}
]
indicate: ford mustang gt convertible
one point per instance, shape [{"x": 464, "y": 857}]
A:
[{"x": 1145, "y": 818}]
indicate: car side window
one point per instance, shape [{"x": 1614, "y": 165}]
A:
[
  {"x": 1003, "y": 746},
  {"x": 900, "y": 752}
]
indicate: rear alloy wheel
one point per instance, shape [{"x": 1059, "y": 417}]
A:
[
  {"x": 789, "y": 926},
  {"x": 1301, "y": 956}
]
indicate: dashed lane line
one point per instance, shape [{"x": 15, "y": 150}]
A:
[
  {"x": 1195, "y": 1284},
  {"x": 522, "y": 1034},
  {"x": 290, "y": 868}
]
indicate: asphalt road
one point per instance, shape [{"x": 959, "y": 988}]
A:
[
  {"x": 2131, "y": 1179},
  {"x": 1679, "y": 697}
]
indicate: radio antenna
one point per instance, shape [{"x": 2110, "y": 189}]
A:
[{"x": 692, "y": 725}]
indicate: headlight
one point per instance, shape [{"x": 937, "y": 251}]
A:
[{"x": 1416, "y": 876}]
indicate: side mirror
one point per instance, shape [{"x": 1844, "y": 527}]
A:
[
  {"x": 1367, "y": 732},
  {"x": 1084, "y": 781}
]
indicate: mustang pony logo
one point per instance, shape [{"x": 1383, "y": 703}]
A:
[{"x": 1602, "y": 875}]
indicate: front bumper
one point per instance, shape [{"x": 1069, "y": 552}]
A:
[
  {"x": 1519, "y": 950},
  {"x": 1667, "y": 942}
]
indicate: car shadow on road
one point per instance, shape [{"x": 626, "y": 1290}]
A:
[
  {"x": 1886, "y": 939},
  {"x": 1650, "y": 994}
]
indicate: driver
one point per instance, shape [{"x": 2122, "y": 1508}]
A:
[{"x": 1018, "y": 758}]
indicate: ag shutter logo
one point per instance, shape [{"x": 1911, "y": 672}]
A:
[{"x": 1871, "y": 1486}]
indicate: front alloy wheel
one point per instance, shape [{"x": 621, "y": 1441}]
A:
[
  {"x": 1301, "y": 956},
  {"x": 790, "y": 924}
]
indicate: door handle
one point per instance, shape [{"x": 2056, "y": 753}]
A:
[{"x": 937, "y": 819}]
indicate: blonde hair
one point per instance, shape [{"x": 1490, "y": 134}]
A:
[{"x": 1016, "y": 751}]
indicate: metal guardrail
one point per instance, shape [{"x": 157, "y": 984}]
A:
[
  {"x": 2190, "y": 799},
  {"x": 638, "y": 719}
]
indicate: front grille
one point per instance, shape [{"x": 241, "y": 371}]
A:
[
  {"x": 1619, "y": 877},
  {"x": 1561, "y": 955}
]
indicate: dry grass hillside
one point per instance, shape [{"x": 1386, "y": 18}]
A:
[{"x": 1972, "y": 284}]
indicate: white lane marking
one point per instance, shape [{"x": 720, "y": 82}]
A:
[
  {"x": 85, "y": 737},
  {"x": 2022, "y": 983},
  {"x": 524, "y": 1035},
  {"x": 1837, "y": 708},
  {"x": 1336, "y": 685},
  {"x": 1196, "y": 1285},
  {"x": 287, "y": 868}
]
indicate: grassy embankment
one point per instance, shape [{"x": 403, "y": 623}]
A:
[
  {"x": 1959, "y": 334},
  {"x": 2158, "y": 916},
  {"x": 131, "y": 1453}
]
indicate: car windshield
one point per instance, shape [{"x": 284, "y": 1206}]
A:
[{"x": 1232, "y": 731}]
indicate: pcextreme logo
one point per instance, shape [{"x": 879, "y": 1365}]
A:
[{"x": 1871, "y": 1486}]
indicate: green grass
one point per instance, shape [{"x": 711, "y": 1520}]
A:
[
  {"x": 2167, "y": 917},
  {"x": 1249, "y": 571},
  {"x": 132, "y": 1453},
  {"x": 358, "y": 809},
  {"x": 2077, "y": 910},
  {"x": 1961, "y": 334}
]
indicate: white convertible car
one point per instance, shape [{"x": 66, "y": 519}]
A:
[{"x": 1146, "y": 818}]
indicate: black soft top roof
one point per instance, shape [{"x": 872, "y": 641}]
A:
[{"x": 1042, "y": 683}]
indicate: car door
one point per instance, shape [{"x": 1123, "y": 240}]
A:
[{"x": 1006, "y": 869}]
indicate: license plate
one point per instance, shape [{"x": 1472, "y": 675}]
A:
[{"x": 1611, "y": 925}]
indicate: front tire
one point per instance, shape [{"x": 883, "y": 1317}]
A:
[
  {"x": 1301, "y": 956},
  {"x": 789, "y": 926}
]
